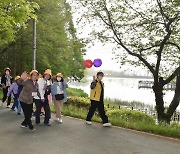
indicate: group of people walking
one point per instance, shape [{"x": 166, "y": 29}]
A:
[
  {"x": 31, "y": 88},
  {"x": 41, "y": 90}
]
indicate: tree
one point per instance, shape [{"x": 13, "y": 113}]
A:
[
  {"x": 147, "y": 33},
  {"x": 58, "y": 48},
  {"x": 13, "y": 16}
]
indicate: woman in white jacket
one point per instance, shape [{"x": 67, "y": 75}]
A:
[{"x": 44, "y": 88}]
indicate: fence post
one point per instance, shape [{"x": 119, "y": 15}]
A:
[
  {"x": 132, "y": 108},
  {"x": 119, "y": 107}
]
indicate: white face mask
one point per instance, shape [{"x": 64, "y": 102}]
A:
[{"x": 59, "y": 78}]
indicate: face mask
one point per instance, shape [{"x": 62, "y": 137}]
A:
[{"x": 59, "y": 78}]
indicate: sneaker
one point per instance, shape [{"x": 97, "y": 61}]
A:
[
  {"x": 12, "y": 109},
  {"x": 88, "y": 122},
  {"x": 33, "y": 118},
  {"x": 47, "y": 124},
  {"x": 1, "y": 104},
  {"x": 19, "y": 113},
  {"x": 8, "y": 106},
  {"x": 32, "y": 129},
  {"x": 23, "y": 126},
  {"x": 107, "y": 124},
  {"x": 59, "y": 120}
]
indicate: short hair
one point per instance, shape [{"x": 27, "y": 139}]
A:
[{"x": 100, "y": 73}]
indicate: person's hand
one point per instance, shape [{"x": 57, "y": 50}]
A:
[{"x": 24, "y": 75}]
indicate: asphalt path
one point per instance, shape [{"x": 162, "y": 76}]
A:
[{"x": 75, "y": 137}]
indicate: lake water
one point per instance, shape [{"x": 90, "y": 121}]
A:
[{"x": 125, "y": 89}]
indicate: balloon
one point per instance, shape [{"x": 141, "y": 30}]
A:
[
  {"x": 88, "y": 63},
  {"x": 97, "y": 62}
]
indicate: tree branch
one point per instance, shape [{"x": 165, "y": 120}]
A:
[
  {"x": 119, "y": 41},
  {"x": 171, "y": 77}
]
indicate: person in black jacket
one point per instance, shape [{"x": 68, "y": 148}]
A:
[{"x": 6, "y": 81}]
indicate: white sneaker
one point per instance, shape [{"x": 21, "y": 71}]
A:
[
  {"x": 1, "y": 104},
  {"x": 107, "y": 124},
  {"x": 59, "y": 120},
  {"x": 8, "y": 106},
  {"x": 88, "y": 122}
]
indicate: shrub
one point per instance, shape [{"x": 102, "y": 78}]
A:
[
  {"x": 76, "y": 92},
  {"x": 78, "y": 101},
  {"x": 130, "y": 116}
]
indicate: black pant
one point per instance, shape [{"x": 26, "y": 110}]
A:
[
  {"x": 45, "y": 105},
  {"x": 5, "y": 91},
  {"x": 100, "y": 106},
  {"x": 27, "y": 110}
]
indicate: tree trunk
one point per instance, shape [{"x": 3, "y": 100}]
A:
[
  {"x": 158, "y": 90},
  {"x": 175, "y": 102}
]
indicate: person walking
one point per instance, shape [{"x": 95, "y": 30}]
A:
[
  {"x": 13, "y": 92},
  {"x": 97, "y": 100},
  {"x": 58, "y": 91},
  {"x": 42, "y": 101},
  {"x": 6, "y": 81},
  {"x": 29, "y": 91}
]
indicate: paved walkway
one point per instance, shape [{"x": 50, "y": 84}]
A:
[{"x": 75, "y": 137}]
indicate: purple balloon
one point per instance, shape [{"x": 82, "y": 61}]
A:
[{"x": 97, "y": 62}]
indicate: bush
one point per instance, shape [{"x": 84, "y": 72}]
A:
[
  {"x": 76, "y": 92},
  {"x": 78, "y": 101},
  {"x": 130, "y": 116}
]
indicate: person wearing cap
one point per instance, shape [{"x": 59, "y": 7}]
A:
[
  {"x": 44, "y": 89},
  {"x": 13, "y": 92},
  {"x": 58, "y": 91},
  {"x": 6, "y": 81},
  {"x": 29, "y": 91},
  {"x": 97, "y": 100}
]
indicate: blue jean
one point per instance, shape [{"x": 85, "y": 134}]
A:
[{"x": 17, "y": 105}]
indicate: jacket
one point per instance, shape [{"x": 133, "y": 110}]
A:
[
  {"x": 63, "y": 86},
  {"x": 95, "y": 93},
  {"x": 4, "y": 78},
  {"x": 44, "y": 88},
  {"x": 28, "y": 88},
  {"x": 13, "y": 90}
]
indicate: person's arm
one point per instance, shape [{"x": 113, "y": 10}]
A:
[
  {"x": 65, "y": 85},
  {"x": 53, "y": 88},
  {"x": 23, "y": 79},
  {"x": 41, "y": 88}
]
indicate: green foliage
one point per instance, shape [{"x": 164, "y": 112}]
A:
[
  {"x": 78, "y": 101},
  {"x": 76, "y": 92},
  {"x": 130, "y": 116},
  {"x": 13, "y": 17},
  {"x": 58, "y": 48}
]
